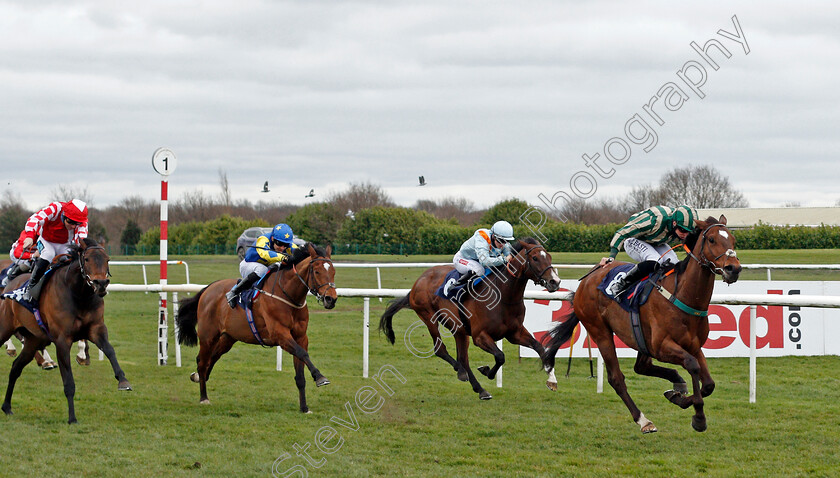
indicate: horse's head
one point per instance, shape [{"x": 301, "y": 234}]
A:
[
  {"x": 93, "y": 265},
  {"x": 535, "y": 262},
  {"x": 320, "y": 275},
  {"x": 714, "y": 247}
]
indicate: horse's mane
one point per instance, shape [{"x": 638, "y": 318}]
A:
[
  {"x": 73, "y": 252},
  {"x": 301, "y": 253},
  {"x": 517, "y": 246},
  {"x": 691, "y": 241}
]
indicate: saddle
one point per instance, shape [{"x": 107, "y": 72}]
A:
[{"x": 456, "y": 293}]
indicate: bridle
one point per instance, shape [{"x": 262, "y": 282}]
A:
[
  {"x": 539, "y": 276},
  {"x": 315, "y": 290},
  {"x": 705, "y": 262},
  {"x": 82, "y": 269}
]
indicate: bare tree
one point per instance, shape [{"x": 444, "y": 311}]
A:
[
  {"x": 589, "y": 211},
  {"x": 461, "y": 209},
  {"x": 700, "y": 187},
  {"x": 223, "y": 182},
  {"x": 641, "y": 198},
  {"x": 360, "y": 196},
  {"x": 64, "y": 192},
  {"x": 194, "y": 206}
]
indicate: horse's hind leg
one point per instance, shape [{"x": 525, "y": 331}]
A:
[
  {"x": 616, "y": 379},
  {"x": 677, "y": 354},
  {"x": 99, "y": 336},
  {"x": 644, "y": 366},
  {"x": 29, "y": 348},
  {"x": 433, "y": 324},
  {"x": 208, "y": 354}
]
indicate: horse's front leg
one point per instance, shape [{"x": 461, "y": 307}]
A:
[
  {"x": 522, "y": 337},
  {"x": 462, "y": 344},
  {"x": 99, "y": 336},
  {"x": 299, "y": 350},
  {"x": 62, "y": 350},
  {"x": 676, "y": 354},
  {"x": 486, "y": 343}
]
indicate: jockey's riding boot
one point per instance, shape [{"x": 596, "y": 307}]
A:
[
  {"x": 33, "y": 291},
  {"x": 12, "y": 272},
  {"x": 242, "y": 285},
  {"x": 452, "y": 284},
  {"x": 638, "y": 271}
]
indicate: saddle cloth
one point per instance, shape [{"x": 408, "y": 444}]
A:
[{"x": 455, "y": 292}]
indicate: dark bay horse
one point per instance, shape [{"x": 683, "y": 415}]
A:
[
  {"x": 72, "y": 308},
  {"x": 671, "y": 334},
  {"x": 280, "y": 316},
  {"x": 491, "y": 311}
]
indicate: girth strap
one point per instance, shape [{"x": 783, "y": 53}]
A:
[{"x": 638, "y": 334}]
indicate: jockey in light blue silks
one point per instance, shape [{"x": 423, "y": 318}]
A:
[
  {"x": 269, "y": 249},
  {"x": 486, "y": 248}
]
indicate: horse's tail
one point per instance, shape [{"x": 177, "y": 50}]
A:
[
  {"x": 187, "y": 319},
  {"x": 385, "y": 322},
  {"x": 560, "y": 334}
]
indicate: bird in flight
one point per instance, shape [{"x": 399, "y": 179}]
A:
[
  {"x": 422, "y": 181},
  {"x": 311, "y": 193},
  {"x": 265, "y": 188}
]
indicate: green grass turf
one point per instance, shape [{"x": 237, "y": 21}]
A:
[{"x": 432, "y": 425}]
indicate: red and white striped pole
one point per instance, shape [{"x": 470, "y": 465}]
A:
[{"x": 163, "y": 161}]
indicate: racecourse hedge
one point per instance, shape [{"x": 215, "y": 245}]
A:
[{"x": 407, "y": 231}]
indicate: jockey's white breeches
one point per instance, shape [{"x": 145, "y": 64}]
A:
[
  {"x": 464, "y": 265},
  {"x": 642, "y": 251},
  {"x": 246, "y": 268},
  {"x": 49, "y": 250}
]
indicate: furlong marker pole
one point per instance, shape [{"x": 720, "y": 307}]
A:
[{"x": 163, "y": 161}]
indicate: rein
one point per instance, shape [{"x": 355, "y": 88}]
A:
[
  {"x": 305, "y": 282},
  {"x": 539, "y": 280},
  {"x": 709, "y": 264}
]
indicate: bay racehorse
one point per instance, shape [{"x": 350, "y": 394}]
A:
[
  {"x": 489, "y": 312},
  {"x": 280, "y": 316},
  {"x": 673, "y": 332},
  {"x": 71, "y": 308}
]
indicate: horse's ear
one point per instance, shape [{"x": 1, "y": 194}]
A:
[
  {"x": 311, "y": 250},
  {"x": 329, "y": 250},
  {"x": 722, "y": 219},
  {"x": 700, "y": 224}
]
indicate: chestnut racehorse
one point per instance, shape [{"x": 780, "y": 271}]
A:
[
  {"x": 72, "y": 308},
  {"x": 673, "y": 332},
  {"x": 280, "y": 316},
  {"x": 490, "y": 312}
]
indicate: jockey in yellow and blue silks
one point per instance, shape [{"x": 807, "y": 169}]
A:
[
  {"x": 269, "y": 249},
  {"x": 486, "y": 248}
]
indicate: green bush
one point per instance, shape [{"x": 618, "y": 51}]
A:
[
  {"x": 385, "y": 225},
  {"x": 318, "y": 222}
]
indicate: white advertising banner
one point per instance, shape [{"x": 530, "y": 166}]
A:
[{"x": 780, "y": 330}]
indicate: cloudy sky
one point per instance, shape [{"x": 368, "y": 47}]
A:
[{"x": 485, "y": 99}]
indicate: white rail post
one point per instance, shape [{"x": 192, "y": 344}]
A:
[
  {"x": 600, "y": 375},
  {"x": 752, "y": 353},
  {"x": 279, "y": 358},
  {"x": 768, "y": 275},
  {"x": 175, "y": 329},
  {"x": 366, "y": 339},
  {"x": 379, "y": 281},
  {"x": 499, "y": 373}
]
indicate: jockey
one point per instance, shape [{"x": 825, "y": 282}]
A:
[
  {"x": 22, "y": 259},
  {"x": 645, "y": 239},
  {"x": 486, "y": 248},
  {"x": 269, "y": 249},
  {"x": 53, "y": 229}
]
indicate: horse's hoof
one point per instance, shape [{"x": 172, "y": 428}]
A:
[
  {"x": 306, "y": 412},
  {"x": 321, "y": 382},
  {"x": 72, "y": 421},
  {"x": 11, "y": 352},
  {"x": 124, "y": 386},
  {"x": 49, "y": 365},
  {"x": 681, "y": 387},
  {"x": 678, "y": 399},
  {"x": 485, "y": 370},
  {"x": 462, "y": 375},
  {"x": 698, "y": 424},
  {"x": 194, "y": 377},
  {"x": 649, "y": 428},
  {"x": 205, "y": 401},
  {"x": 7, "y": 410},
  {"x": 551, "y": 386},
  {"x": 82, "y": 361},
  {"x": 484, "y": 395}
]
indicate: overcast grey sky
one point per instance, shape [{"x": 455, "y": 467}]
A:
[{"x": 487, "y": 100}]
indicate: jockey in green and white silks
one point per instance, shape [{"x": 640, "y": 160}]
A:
[
  {"x": 646, "y": 238},
  {"x": 486, "y": 248}
]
